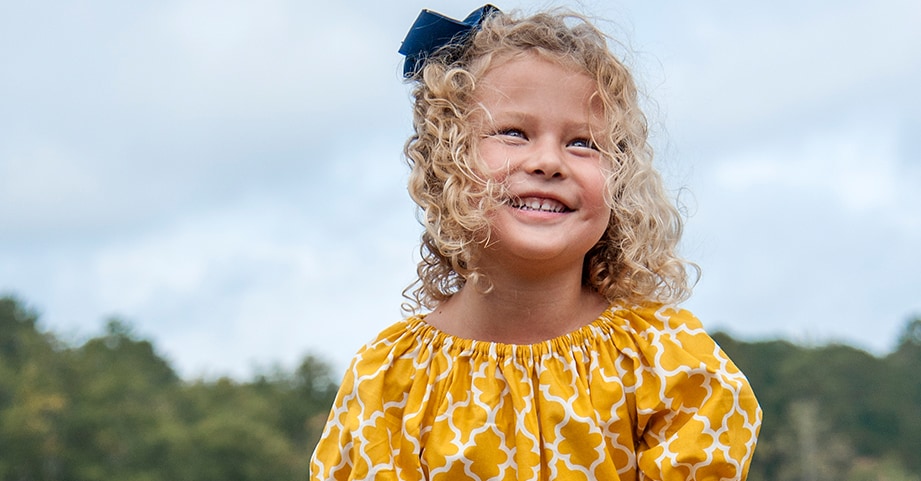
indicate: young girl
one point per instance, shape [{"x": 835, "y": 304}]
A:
[{"x": 552, "y": 349}]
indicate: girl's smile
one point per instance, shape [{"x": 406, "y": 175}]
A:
[{"x": 538, "y": 204}]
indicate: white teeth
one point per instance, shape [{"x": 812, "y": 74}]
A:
[{"x": 533, "y": 203}]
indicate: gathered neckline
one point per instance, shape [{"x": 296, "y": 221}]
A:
[{"x": 575, "y": 339}]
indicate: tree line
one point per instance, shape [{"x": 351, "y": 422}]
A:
[
  {"x": 835, "y": 412},
  {"x": 112, "y": 408}
]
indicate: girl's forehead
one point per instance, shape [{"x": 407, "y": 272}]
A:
[
  {"x": 524, "y": 74},
  {"x": 502, "y": 58},
  {"x": 532, "y": 87},
  {"x": 530, "y": 68}
]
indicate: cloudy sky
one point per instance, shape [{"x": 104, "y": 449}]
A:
[{"x": 227, "y": 175}]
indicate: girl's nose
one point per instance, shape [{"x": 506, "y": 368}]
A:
[{"x": 546, "y": 161}]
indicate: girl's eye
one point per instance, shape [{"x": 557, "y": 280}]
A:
[
  {"x": 583, "y": 144},
  {"x": 512, "y": 133}
]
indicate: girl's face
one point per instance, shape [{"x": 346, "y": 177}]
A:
[{"x": 535, "y": 126}]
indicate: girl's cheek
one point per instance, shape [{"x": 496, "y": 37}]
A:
[{"x": 495, "y": 160}]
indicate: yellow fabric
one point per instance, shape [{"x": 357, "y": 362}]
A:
[{"x": 642, "y": 393}]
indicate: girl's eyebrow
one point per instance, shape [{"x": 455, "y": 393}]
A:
[
  {"x": 513, "y": 116},
  {"x": 510, "y": 116}
]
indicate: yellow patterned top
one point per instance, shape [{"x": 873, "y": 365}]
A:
[{"x": 642, "y": 393}]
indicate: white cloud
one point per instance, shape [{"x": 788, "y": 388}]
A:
[
  {"x": 858, "y": 168},
  {"x": 247, "y": 276},
  {"x": 761, "y": 68},
  {"x": 812, "y": 237},
  {"x": 206, "y": 61},
  {"x": 199, "y": 254},
  {"x": 42, "y": 180}
]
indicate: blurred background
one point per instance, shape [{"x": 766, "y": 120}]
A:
[{"x": 217, "y": 188}]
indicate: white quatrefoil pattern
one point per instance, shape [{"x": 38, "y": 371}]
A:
[{"x": 642, "y": 393}]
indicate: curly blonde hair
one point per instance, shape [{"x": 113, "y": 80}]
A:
[{"x": 636, "y": 258}]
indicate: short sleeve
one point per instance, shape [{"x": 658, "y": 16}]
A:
[
  {"x": 331, "y": 458},
  {"x": 363, "y": 437},
  {"x": 698, "y": 418}
]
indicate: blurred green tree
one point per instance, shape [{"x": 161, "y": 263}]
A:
[{"x": 32, "y": 398}]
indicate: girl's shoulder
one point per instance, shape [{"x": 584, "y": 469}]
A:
[
  {"x": 667, "y": 336},
  {"x": 652, "y": 322}
]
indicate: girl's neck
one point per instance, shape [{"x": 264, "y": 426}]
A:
[{"x": 519, "y": 310}]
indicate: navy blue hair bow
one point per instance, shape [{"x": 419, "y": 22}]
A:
[{"x": 432, "y": 31}]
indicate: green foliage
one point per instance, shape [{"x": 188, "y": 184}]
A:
[
  {"x": 32, "y": 401},
  {"x": 112, "y": 408},
  {"x": 834, "y": 412}
]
